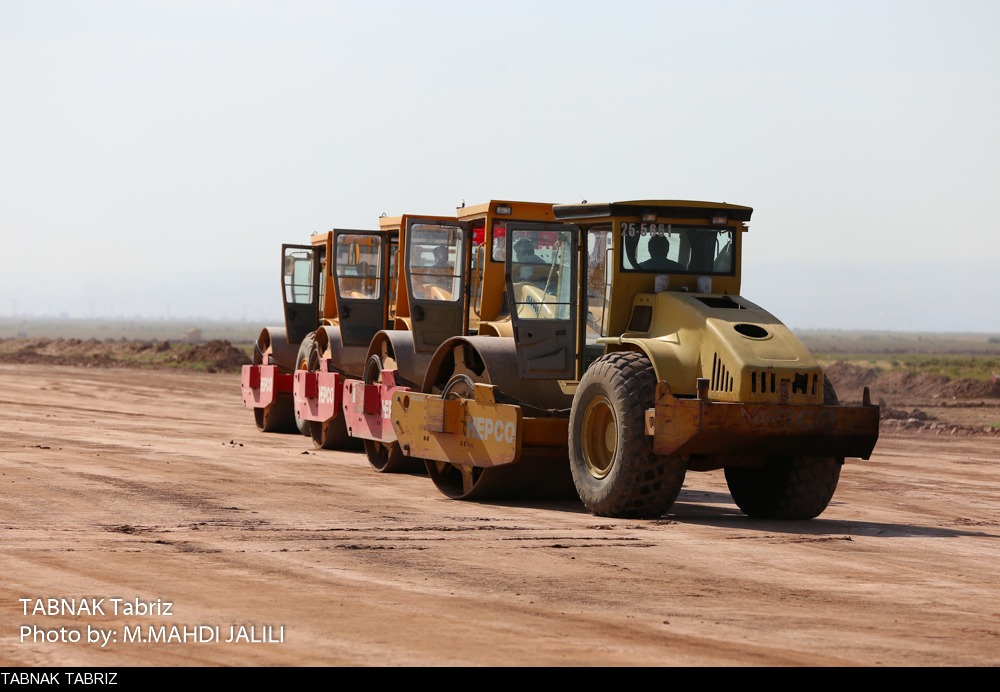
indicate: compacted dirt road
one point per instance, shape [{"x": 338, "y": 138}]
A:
[{"x": 144, "y": 521}]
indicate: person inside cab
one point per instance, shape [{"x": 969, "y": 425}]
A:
[
  {"x": 524, "y": 251},
  {"x": 441, "y": 258},
  {"x": 658, "y": 261},
  {"x": 527, "y": 265}
]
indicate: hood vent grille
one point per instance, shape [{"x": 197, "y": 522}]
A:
[{"x": 722, "y": 381}]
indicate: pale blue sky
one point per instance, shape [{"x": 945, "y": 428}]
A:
[{"x": 155, "y": 155}]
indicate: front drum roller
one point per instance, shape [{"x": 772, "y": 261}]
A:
[
  {"x": 387, "y": 457},
  {"x": 305, "y": 355},
  {"x": 614, "y": 468},
  {"x": 330, "y": 434},
  {"x": 272, "y": 347},
  {"x": 458, "y": 365}
]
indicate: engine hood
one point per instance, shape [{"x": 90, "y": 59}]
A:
[{"x": 745, "y": 352}]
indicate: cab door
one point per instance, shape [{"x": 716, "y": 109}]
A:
[
  {"x": 360, "y": 283},
  {"x": 543, "y": 298},
  {"x": 436, "y": 268},
  {"x": 300, "y": 275}
]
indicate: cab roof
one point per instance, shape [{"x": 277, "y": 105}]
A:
[{"x": 673, "y": 208}]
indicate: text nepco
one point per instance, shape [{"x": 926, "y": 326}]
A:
[
  {"x": 261, "y": 384},
  {"x": 682, "y": 426},
  {"x": 317, "y": 393},
  {"x": 473, "y": 432}
]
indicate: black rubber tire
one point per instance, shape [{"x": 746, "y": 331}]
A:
[
  {"x": 614, "y": 469},
  {"x": 795, "y": 488},
  {"x": 306, "y": 352}
]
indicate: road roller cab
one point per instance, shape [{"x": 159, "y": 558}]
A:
[
  {"x": 452, "y": 284},
  {"x": 309, "y": 300},
  {"x": 633, "y": 360},
  {"x": 427, "y": 303},
  {"x": 357, "y": 301},
  {"x": 489, "y": 309}
]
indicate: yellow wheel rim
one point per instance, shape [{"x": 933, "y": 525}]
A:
[{"x": 600, "y": 437}]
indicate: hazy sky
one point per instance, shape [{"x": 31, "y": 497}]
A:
[{"x": 155, "y": 155}]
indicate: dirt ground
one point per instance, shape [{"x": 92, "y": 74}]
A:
[{"x": 146, "y": 505}]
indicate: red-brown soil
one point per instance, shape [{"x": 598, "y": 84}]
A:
[{"x": 154, "y": 484}]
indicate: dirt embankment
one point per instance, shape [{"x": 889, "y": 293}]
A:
[
  {"x": 910, "y": 402},
  {"x": 208, "y": 356},
  {"x": 850, "y": 379},
  {"x": 923, "y": 403}
]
